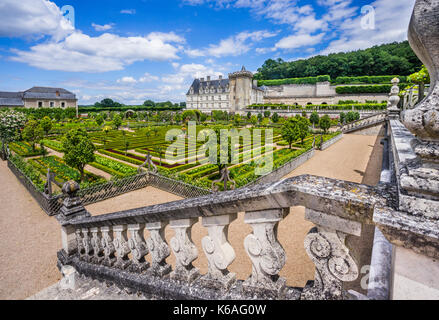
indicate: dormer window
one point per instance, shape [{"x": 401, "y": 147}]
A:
[{"x": 57, "y": 93}]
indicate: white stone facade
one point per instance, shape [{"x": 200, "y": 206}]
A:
[{"x": 232, "y": 94}]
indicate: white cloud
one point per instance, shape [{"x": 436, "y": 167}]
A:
[
  {"x": 388, "y": 27},
  {"x": 128, "y": 11},
  {"x": 32, "y": 18},
  {"x": 298, "y": 41},
  {"x": 82, "y": 53},
  {"x": 127, "y": 80},
  {"x": 234, "y": 45},
  {"x": 104, "y": 27}
]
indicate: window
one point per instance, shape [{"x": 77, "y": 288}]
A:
[
  {"x": 63, "y": 104},
  {"x": 40, "y": 104},
  {"x": 52, "y": 104}
]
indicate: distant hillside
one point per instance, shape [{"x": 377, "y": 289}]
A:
[{"x": 393, "y": 58}]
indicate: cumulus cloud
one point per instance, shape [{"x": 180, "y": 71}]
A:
[
  {"x": 104, "y": 27},
  {"x": 299, "y": 41},
  {"x": 127, "y": 80},
  {"x": 388, "y": 28},
  {"x": 32, "y": 18},
  {"x": 234, "y": 45},
  {"x": 82, "y": 53}
]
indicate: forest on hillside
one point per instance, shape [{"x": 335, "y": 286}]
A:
[{"x": 395, "y": 58}]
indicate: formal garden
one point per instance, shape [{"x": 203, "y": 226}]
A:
[{"x": 109, "y": 146}]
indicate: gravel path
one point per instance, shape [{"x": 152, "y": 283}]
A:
[{"x": 30, "y": 239}]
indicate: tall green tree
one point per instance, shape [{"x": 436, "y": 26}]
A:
[
  {"x": 78, "y": 149},
  {"x": 46, "y": 124},
  {"x": 33, "y": 132},
  {"x": 117, "y": 121},
  {"x": 290, "y": 131},
  {"x": 314, "y": 118},
  {"x": 325, "y": 123}
]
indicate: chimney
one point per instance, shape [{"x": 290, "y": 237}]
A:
[
  {"x": 208, "y": 78},
  {"x": 202, "y": 79},
  {"x": 221, "y": 77}
]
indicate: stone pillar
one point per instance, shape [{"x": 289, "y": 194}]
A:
[{"x": 72, "y": 208}]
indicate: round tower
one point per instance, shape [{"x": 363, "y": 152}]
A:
[{"x": 240, "y": 83}]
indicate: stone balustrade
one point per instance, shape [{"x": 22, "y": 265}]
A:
[{"x": 114, "y": 248}]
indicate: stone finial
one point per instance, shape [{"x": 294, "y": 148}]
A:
[
  {"x": 72, "y": 206},
  {"x": 392, "y": 106},
  {"x": 423, "y": 36}
]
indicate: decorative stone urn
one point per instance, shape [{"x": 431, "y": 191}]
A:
[
  {"x": 423, "y": 36},
  {"x": 422, "y": 174}
]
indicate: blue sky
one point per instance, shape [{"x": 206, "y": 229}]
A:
[{"x": 135, "y": 50}]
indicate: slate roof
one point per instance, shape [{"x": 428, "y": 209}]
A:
[
  {"x": 11, "y": 99},
  {"x": 197, "y": 85},
  {"x": 48, "y": 93}
]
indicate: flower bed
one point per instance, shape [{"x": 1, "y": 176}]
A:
[
  {"x": 113, "y": 167},
  {"x": 24, "y": 149}
]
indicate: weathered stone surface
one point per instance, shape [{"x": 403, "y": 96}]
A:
[
  {"x": 184, "y": 250},
  {"x": 266, "y": 253},
  {"x": 108, "y": 245},
  {"x": 158, "y": 248},
  {"x": 416, "y": 233},
  {"x": 219, "y": 252},
  {"x": 121, "y": 246},
  {"x": 138, "y": 247},
  {"x": 96, "y": 243},
  {"x": 423, "y": 36},
  {"x": 327, "y": 249}
]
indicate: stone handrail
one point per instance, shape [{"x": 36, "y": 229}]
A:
[
  {"x": 112, "y": 247},
  {"x": 363, "y": 123}
]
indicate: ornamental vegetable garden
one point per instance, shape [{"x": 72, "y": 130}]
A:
[{"x": 119, "y": 152}]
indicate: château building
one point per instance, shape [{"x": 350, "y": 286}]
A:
[{"x": 232, "y": 94}]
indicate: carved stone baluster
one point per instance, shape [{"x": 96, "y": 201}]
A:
[
  {"x": 185, "y": 251},
  {"x": 325, "y": 245},
  {"x": 158, "y": 248},
  {"x": 219, "y": 252},
  {"x": 108, "y": 245},
  {"x": 265, "y": 252},
  {"x": 121, "y": 246},
  {"x": 80, "y": 243},
  {"x": 138, "y": 247},
  {"x": 88, "y": 249},
  {"x": 96, "y": 243}
]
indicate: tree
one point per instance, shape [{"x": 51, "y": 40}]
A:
[
  {"x": 325, "y": 123},
  {"x": 267, "y": 114},
  {"x": 275, "y": 118},
  {"x": 78, "y": 149},
  {"x": 33, "y": 132},
  {"x": 149, "y": 103},
  {"x": 303, "y": 124},
  {"x": 254, "y": 120},
  {"x": 99, "y": 120},
  {"x": 290, "y": 131},
  {"x": 342, "y": 117},
  {"x": 260, "y": 117},
  {"x": 10, "y": 124},
  {"x": 422, "y": 77},
  {"x": 249, "y": 115},
  {"x": 117, "y": 121},
  {"x": 314, "y": 118},
  {"x": 237, "y": 119},
  {"x": 46, "y": 124}
]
